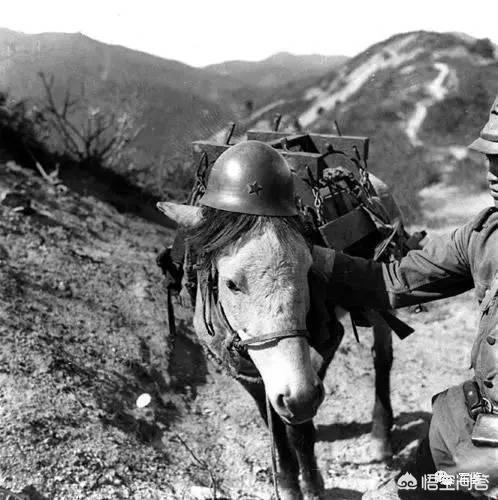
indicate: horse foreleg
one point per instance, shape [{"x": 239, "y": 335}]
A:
[
  {"x": 302, "y": 438},
  {"x": 382, "y": 417},
  {"x": 288, "y": 473}
]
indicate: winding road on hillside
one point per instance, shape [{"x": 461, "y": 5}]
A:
[{"x": 436, "y": 92}]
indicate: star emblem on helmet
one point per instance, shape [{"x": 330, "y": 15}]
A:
[{"x": 255, "y": 188}]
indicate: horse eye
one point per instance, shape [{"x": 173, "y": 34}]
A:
[{"x": 231, "y": 285}]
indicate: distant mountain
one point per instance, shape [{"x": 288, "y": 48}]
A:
[
  {"x": 277, "y": 69},
  {"x": 421, "y": 97},
  {"x": 74, "y": 57},
  {"x": 180, "y": 103}
]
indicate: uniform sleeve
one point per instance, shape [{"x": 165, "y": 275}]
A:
[{"x": 441, "y": 269}]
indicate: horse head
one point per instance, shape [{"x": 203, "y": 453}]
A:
[{"x": 261, "y": 268}]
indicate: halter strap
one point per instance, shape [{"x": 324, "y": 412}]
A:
[
  {"x": 279, "y": 334},
  {"x": 235, "y": 341}
]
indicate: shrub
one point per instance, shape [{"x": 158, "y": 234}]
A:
[
  {"x": 95, "y": 136},
  {"x": 22, "y": 130}
]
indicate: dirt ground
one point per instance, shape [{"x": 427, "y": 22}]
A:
[
  {"x": 83, "y": 329},
  {"x": 432, "y": 359}
]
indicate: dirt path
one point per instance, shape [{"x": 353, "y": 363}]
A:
[
  {"x": 347, "y": 84},
  {"x": 435, "y": 357},
  {"x": 432, "y": 359},
  {"x": 436, "y": 92},
  {"x": 446, "y": 207}
]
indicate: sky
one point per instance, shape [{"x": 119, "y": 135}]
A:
[{"x": 201, "y": 32}]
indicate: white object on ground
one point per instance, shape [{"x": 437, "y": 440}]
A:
[
  {"x": 143, "y": 400},
  {"x": 201, "y": 493}
]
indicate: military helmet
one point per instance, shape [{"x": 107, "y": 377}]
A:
[
  {"x": 251, "y": 178},
  {"x": 487, "y": 143}
]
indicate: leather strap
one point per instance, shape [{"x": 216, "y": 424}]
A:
[
  {"x": 281, "y": 334},
  {"x": 472, "y": 396},
  {"x": 235, "y": 340},
  {"x": 475, "y": 401}
]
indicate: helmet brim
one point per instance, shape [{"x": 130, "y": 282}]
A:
[
  {"x": 236, "y": 204},
  {"x": 484, "y": 146}
]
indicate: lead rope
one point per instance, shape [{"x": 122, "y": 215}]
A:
[{"x": 269, "y": 419}]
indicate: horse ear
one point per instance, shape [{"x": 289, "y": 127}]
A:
[{"x": 183, "y": 215}]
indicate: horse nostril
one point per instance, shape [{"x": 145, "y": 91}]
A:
[
  {"x": 297, "y": 404},
  {"x": 280, "y": 401}
]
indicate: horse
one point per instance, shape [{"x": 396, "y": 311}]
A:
[{"x": 261, "y": 310}]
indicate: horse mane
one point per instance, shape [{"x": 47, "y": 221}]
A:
[{"x": 220, "y": 228}]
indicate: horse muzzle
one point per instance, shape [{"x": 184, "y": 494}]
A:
[{"x": 299, "y": 406}]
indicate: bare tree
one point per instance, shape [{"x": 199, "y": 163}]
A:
[{"x": 91, "y": 135}]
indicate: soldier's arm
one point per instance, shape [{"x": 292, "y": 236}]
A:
[{"x": 441, "y": 269}]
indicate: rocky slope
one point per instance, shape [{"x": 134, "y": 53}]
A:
[
  {"x": 83, "y": 334},
  {"x": 82, "y": 322}
]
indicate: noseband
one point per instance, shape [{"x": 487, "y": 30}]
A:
[{"x": 210, "y": 299}]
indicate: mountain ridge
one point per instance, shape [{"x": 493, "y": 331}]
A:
[
  {"x": 420, "y": 96},
  {"x": 277, "y": 69}
]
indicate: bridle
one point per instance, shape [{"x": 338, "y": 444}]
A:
[{"x": 211, "y": 302}]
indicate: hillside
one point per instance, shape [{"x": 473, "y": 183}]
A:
[
  {"x": 80, "y": 60},
  {"x": 84, "y": 333},
  {"x": 277, "y": 70},
  {"x": 176, "y": 103},
  {"x": 421, "y": 97}
]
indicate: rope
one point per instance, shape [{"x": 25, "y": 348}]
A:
[
  {"x": 171, "y": 320},
  {"x": 269, "y": 418}
]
